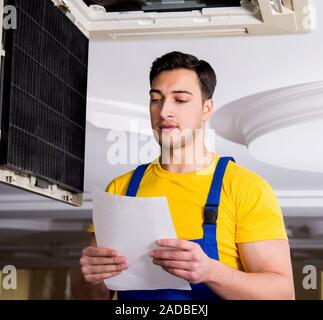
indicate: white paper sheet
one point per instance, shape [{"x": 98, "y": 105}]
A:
[{"x": 131, "y": 225}]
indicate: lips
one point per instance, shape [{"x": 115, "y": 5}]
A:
[{"x": 168, "y": 127}]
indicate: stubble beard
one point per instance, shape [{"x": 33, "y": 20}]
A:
[{"x": 170, "y": 145}]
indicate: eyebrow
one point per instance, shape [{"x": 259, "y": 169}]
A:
[{"x": 176, "y": 91}]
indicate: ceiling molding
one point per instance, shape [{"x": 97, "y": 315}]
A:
[
  {"x": 301, "y": 202},
  {"x": 246, "y": 119},
  {"x": 293, "y": 203},
  {"x": 306, "y": 244},
  {"x": 118, "y": 115},
  {"x": 42, "y": 225},
  {"x": 29, "y": 202}
]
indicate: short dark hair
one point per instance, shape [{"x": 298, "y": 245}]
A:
[{"x": 178, "y": 60}]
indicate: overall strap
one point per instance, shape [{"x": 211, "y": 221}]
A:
[
  {"x": 213, "y": 200},
  {"x": 208, "y": 242},
  {"x": 136, "y": 179}
]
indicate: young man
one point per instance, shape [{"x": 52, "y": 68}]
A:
[{"x": 231, "y": 241}]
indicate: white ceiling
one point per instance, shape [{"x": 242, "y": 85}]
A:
[{"x": 118, "y": 72}]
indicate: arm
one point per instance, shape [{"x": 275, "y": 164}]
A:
[{"x": 268, "y": 272}]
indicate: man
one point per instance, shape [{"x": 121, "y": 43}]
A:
[{"x": 240, "y": 249}]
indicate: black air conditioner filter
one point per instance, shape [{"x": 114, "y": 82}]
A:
[{"x": 44, "y": 96}]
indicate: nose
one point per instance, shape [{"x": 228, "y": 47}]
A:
[{"x": 167, "y": 109}]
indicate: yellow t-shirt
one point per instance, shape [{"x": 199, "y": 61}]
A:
[{"x": 248, "y": 211}]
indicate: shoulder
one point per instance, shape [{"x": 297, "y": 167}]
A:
[
  {"x": 243, "y": 179},
  {"x": 249, "y": 190},
  {"x": 120, "y": 184},
  {"x": 258, "y": 213}
]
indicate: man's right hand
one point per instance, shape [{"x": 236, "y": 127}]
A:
[{"x": 98, "y": 264}]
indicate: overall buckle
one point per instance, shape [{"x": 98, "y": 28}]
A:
[{"x": 210, "y": 213}]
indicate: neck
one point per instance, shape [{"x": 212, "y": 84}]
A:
[{"x": 186, "y": 159}]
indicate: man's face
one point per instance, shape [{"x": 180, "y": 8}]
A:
[{"x": 176, "y": 107}]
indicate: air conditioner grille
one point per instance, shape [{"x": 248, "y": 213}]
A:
[{"x": 44, "y": 98}]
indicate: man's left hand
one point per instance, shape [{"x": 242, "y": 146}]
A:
[{"x": 186, "y": 260}]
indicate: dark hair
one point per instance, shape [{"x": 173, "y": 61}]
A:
[{"x": 178, "y": 60}]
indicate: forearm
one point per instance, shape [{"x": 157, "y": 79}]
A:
[
  {"x": 233, "y": 284},
  {"x": 82, "y": 290}
]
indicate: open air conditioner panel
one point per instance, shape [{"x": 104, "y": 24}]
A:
[
  {"x": 161, "y": 5},
  {"x": 124, "y": 19}
]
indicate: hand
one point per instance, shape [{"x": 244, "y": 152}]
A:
[
  {"x": 187, "y": 260},
  {"x": 98, "y": 264}
]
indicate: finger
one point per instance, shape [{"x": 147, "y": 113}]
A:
[
  {"x": 171, "y": 255},
  {"x": 184, "y": 274},
  {"x": 98, "y": 261},
  {"x": 176, "y": 243},
  {"x": 96, "y": 278},
  {"x": 99, "y": 252},
  {"x": 183, "y": 265},
  {"x": 104, "y": 269}
]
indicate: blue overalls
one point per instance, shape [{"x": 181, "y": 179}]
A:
[{"x": 208, "y": 243}]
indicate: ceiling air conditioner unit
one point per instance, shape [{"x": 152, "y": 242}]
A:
[
  {"x": 44, "y": 59},
  {"x": 119, "y": 19}
]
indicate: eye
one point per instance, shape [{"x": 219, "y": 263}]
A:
[
  {"x": 155, "y": 100},
  {"x": 181, "y": 101}
]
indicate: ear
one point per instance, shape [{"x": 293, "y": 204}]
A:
[{"x": 207, "y": 109}]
